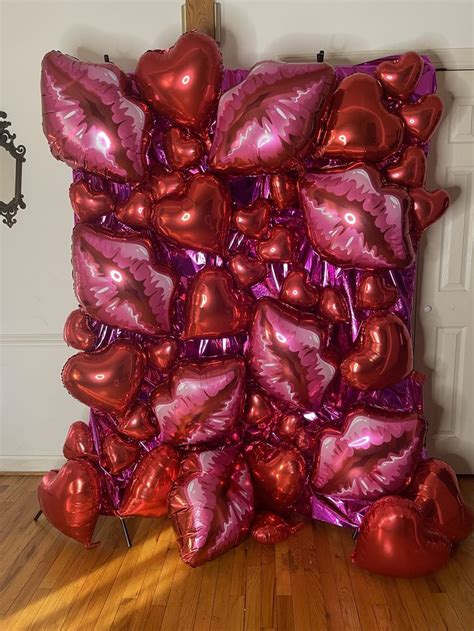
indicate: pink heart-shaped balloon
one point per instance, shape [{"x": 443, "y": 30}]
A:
[
  {"x": 79, "y": 442},
  {"x": 399, "y": 77}
]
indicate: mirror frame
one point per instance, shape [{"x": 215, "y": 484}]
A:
[{"x": 8, "y": 210}]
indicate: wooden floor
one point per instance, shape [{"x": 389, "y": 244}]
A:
[{"x": 48, "y": 582}]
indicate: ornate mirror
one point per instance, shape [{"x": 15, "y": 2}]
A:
[{"x": 11, "y": 162}]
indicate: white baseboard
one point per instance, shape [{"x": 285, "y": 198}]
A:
[{"x": 30, "y": 464}]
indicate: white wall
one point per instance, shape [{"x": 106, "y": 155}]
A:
[{"x": 36, "y": 293}]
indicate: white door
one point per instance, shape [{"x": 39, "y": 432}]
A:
[{"x": 444, "y": 337}]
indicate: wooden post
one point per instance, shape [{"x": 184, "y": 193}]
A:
[{"x": 202, "y": 16}]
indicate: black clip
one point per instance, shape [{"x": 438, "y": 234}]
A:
[
  {"x": 106, "y": 59},
  {"x": 320, "y": 56}
]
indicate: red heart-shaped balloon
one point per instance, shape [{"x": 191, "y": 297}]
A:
[
  {"x": 278, "y": 248},
  {"x": 199, "y": 219},
  {"x": 147, "y": 493},
  {"x": 288, "y": 427},
  {"x": 428, "y": 206},
  {"x": 359, "y": 127},
  {"x": 87, "y": 203},
  {"x": 107, "y": 379},
  {"x": 137, "y": 423},
  {"x": 399, "y": 77},
  {"x": 253, "y": 220},
  {"x": 77, "y": 332},
  {"x": 182, "y": 150},
  {"x": 182, "y": 82},
  {"x": 394, "y": 540},
  {"x": 162, "y": 354},
  {"x": 435, "y": 490},
  {"x": 246, "y": 271},
  {"x": 214, "y": 308},
  {"x": 373, "y": 292},
  {"x": 162, "y": 183},
  {"x": 422, "y": 118},
  {"x": 383, "y": 354},
  {"x": 118, "y": 454},
  {"x": 70, "y": 500},
  {"x": 79, "y": 442},
  {"x": 296, "y": 289},
  {"x": 410, "y": 170},
  {"x": 136, "y": 211},
  {"x": 284, "y": 190},
  {"x": 332, "y": 305},
  {"x": 258, "y": 410},
  {"x": 270, "y": 528}
]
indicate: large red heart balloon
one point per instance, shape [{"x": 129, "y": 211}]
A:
[
  {"x": 399, "y": 77},
  {"x": 147, "y": 493},
  {"x": 428, "y": 206},
  {"x": 182, "y": 151},
  {"x": 410, "y": 170},
  {"x": 78, "y": 333},
  {"x": 253, "y": 220},
  {"x": 118, "y": 454},
  {"x": 87, "y": 203},
  {"x": 435, "y": 490},
  {"x": 107, "y": 379},
  {"x": 70, "y": 500},
  {"x": 245, "y": 270},
  {"x": 394, "y": 540},
  {"x": 422, "y": 118},
  {"x": 373, "y": 292},
  {"x": 199, "y": 219},
  {"x": 182, "y": 82},
  {"x": 79, "y": 442},
  {"x": 359, "y": 127},
  {"x": 214, "y": 307},
  {"x": 382, "y": 356}
]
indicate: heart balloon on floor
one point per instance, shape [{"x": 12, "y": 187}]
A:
[{"x": 244, "y": 261}]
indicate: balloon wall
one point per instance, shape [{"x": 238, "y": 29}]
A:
[{"x": 244, "y": 259}]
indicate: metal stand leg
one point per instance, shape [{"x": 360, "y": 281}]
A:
[
  {"x": 38, "y": 515},
  {"x": 354, "y": 534},
  {"x": 125, "y": 532}
]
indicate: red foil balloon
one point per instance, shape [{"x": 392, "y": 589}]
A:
[
  {"x": 383, "y": 354},
  {"x": 118, "y": 454},
  {"x": 394, "y": 540},
  {"x": 182, "y": 150},
  {"x": 246, "y": 271},
  {"x": 107, "y": 379},
  {"x": 258, "y": 410},
  {"x": 214, "y": 308},
  {"x": 79, "y": 442},
  {"x": 428, "y": 206},
  {"x": 296, "y": 290},
  {"x": 89, "y": 204},
  {"x": 278, "y": 248},
  {"x": 182, "y": 82},
  {"x": 284, "y": 190},
  {"x": 211, "y": 504},
  {"x": 288, "y": 427},
  {"x": 270, "y": 528},
  {"x": 422, "y": 118},
  {"x": 136, "y": 211},
  {"x": 359, "y": 127},
  {"x": 279, "y": 474},
  {"x": 147, "y": 493},
  {"x": 199, "y": 219},
  {"x": 410, "y": 170},
  {"x": 435, "y": 490},
  {"x": 137, "y": 423},
  {"x": 253, "y": 220},
  {"x": 332, "y": 305},
  {"x": 373, "y": 292},
  {"x": 399, "y": 77},
  {"x": 70, "y": 500},
  {"x": 162, "y": 183},
  {"x": 162, "y": 354},
  {"x": 77, "y": 332}
]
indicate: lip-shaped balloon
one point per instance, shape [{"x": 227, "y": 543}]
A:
[
  {"x": 278, "y": 247},
  {"x": 422, "y": 118},
  {"x": 107, "y": 379},
  {"x": 373, "y": 292},
  {"x": 118, "y": 454},
  {"x": 332, "y": 305},
  {"x": 428, "y": 206},
  {"x": 271, "y": 117},
  {"x": 79, "y": 442},
  {"x": 399, "y": 77},
  {"x": 410, "y": 170},
  {"x": 89, "y": 121},
  {"x": 89, "y": 204},
  {"x": 70, "y": 500},
  {"x": 162, "y": 354},
  {"x": 147, "y": 493},
  {"x": 201, "y": 402},
  {"x": 353, "y": 221},
  {"x": 382, "y": 356},
  {"x": 253, "y": 220},
  {"x": 183, "y": 81},
  {"x": 359, "y": 127},
  {"x": 247, "y": 271},
  {"x": 77, "y": 332},
  {"x": 161, "y": 183},
  {"x": 284, "y": 190},
  {"x": 136, "y": 211},
  {"x": 279, "y": 473},
  {"x": 211, "y": 504},
  {"x": 182, "y": 151},
  {"x": 270, "y": 528},
  {"x": 297, "y": 290},
  {"x": 117, "y": 280},
  {"x": 395, "y": 541},
  {"x": 374, "y": 453},
  {"x": 137, "y": 423},
  {"x": 435, "y": 490},
  {"x": 287, "y": 355},
  {"x": 214, "y": 307},
  {"x": 199, "y": 219}
]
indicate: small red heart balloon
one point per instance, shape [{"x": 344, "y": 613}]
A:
[
  {"x": 332, "y": 305},
  {"x": 77, "y": 332},
  {"x": 435, "y": 490},
  {"x": 284, "y": 190},
  {"x": 182, "y": 82},
  {"x": 107, "y": 379},
  {"x": 373, "y": 292},
  {"x": 162, "y": 354},
  {"x": 147, "y": 493},
  {"x": 136, "y": 211},
  {"x": 410, "y": 170},
  {"x": 137, "y": 423},
  {"x": 70, "y": 500},
  {"x": 422, "y": 118},
  {"x": 246, "y": 271},
  {"x": 89, "y": 204},
  {"x": 79, "y": 442},
  {"x": 162, "y": 183},
  {"x": 288, "y": 426},
  {"x": 199, "y": 219},
  {"x": 182, "y": 150},
  {"x": 428, "y": 206},
  {"x": 118, "y": 454},
  {"x": 258, "y": 410},
  {"x": 214, "y": 308},
  {"x": 270, "y": 528},
  {"x": 296, "y": 290},
  {"x": 399, "y": 77},
  {"x": 394, "y": 540},
  {"x": 253, "y": 220},
  {"x": 278, "y": 248}
]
